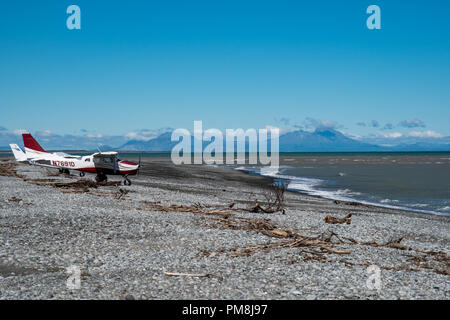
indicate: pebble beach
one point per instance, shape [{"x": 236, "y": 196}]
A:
[{"x": 188, "y": 232}]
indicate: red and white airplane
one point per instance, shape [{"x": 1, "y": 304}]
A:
[{"x": 101, "y": 163}]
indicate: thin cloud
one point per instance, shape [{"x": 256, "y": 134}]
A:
[
  {"x": 280, "y": 130},
  {"x": 45, "y": 133},
  {"x": 390, "y": 135},
  {"x": 321, "y": 124},
  {"x": 94, "y": 135},
  {"x": 146, "y": 134},
  {"x": 18, "y": 132},
  {"x": 299, "y": 127},
  {"x": 412, "y": 123},
  {"x": 374, "y": 124},
  {"x": 388, "y": 126},
  {"x": 424, "y": 134},
  {"x": 283, "y": 120}
]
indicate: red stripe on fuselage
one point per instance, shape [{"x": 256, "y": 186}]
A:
[{"x": 128, "y": 162}]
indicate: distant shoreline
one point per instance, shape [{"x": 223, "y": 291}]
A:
[{"x": 282, "y": 153}]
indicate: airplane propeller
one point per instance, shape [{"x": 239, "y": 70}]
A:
[{"x": 139, "y": 165}]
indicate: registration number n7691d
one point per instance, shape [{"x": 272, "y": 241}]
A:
[{"x": 63, "y": 163}]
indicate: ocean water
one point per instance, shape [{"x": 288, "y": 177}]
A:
[{"x": 414, "y": 181}]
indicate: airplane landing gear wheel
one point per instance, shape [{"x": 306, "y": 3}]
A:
[
  {"x": 82, "y": 174},
  {"x": 126, "y": 181},
  {"x": 100, "y": 177}
]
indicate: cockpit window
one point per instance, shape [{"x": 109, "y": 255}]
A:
[{"x": 104, "y": 160}]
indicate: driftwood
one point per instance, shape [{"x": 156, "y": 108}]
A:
[
  {"x": 275, "y": 199},
  {"x": 84, "y": 184},
  {"x": 263, "y": 226},
  {"x": 195, "y": 275},
  {"x": 196, "y": 208},
  {"x": 439, "y": 263},
  {"x": 331, "y": 250},
  {"x": 316, "y": 248},
  {"x": 7, "y": 169},
  {"x": 121, "y": 193},
  {"x": 257, "y": 208},
  {"x": 51, "y": 173},
  {"x": 15, "y": 199},
  {"x": 333, "y": 220},
  {"x": 300, "y": 242},
  {"x": 390, "y": 244}
]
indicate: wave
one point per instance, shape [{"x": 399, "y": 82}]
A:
[
  {"x": 419, "y": 205},
  {"x": 389, "y": 201},
  {"x": 310, "y": 186},
  {"x": 302, "y": 184}
]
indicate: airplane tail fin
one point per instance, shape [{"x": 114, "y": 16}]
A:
[
  {"x": 31, "y": 144},
  {"x": 18, "y": 153}
]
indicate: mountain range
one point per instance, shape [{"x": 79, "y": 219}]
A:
[{"x": 320, "y": 140}]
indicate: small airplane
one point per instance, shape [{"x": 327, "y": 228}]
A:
[{"x": 101, "y": 163}]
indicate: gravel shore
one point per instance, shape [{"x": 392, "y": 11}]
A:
[{"x": 177, "y": 219}]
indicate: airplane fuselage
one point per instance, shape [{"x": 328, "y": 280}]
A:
[
  {"x": 106, "y": 163},
  {"x": 100, "y": 163}
]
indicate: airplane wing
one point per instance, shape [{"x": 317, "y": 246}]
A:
[{"x": 41, "y": 162}]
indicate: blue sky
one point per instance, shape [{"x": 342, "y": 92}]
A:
[{"x": 153, "y": 64}]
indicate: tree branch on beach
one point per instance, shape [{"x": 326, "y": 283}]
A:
[
  {"x": 332, "y": 220},
  {"x": 8, "y": 169},
  {"x": 275, "y": 200}
]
